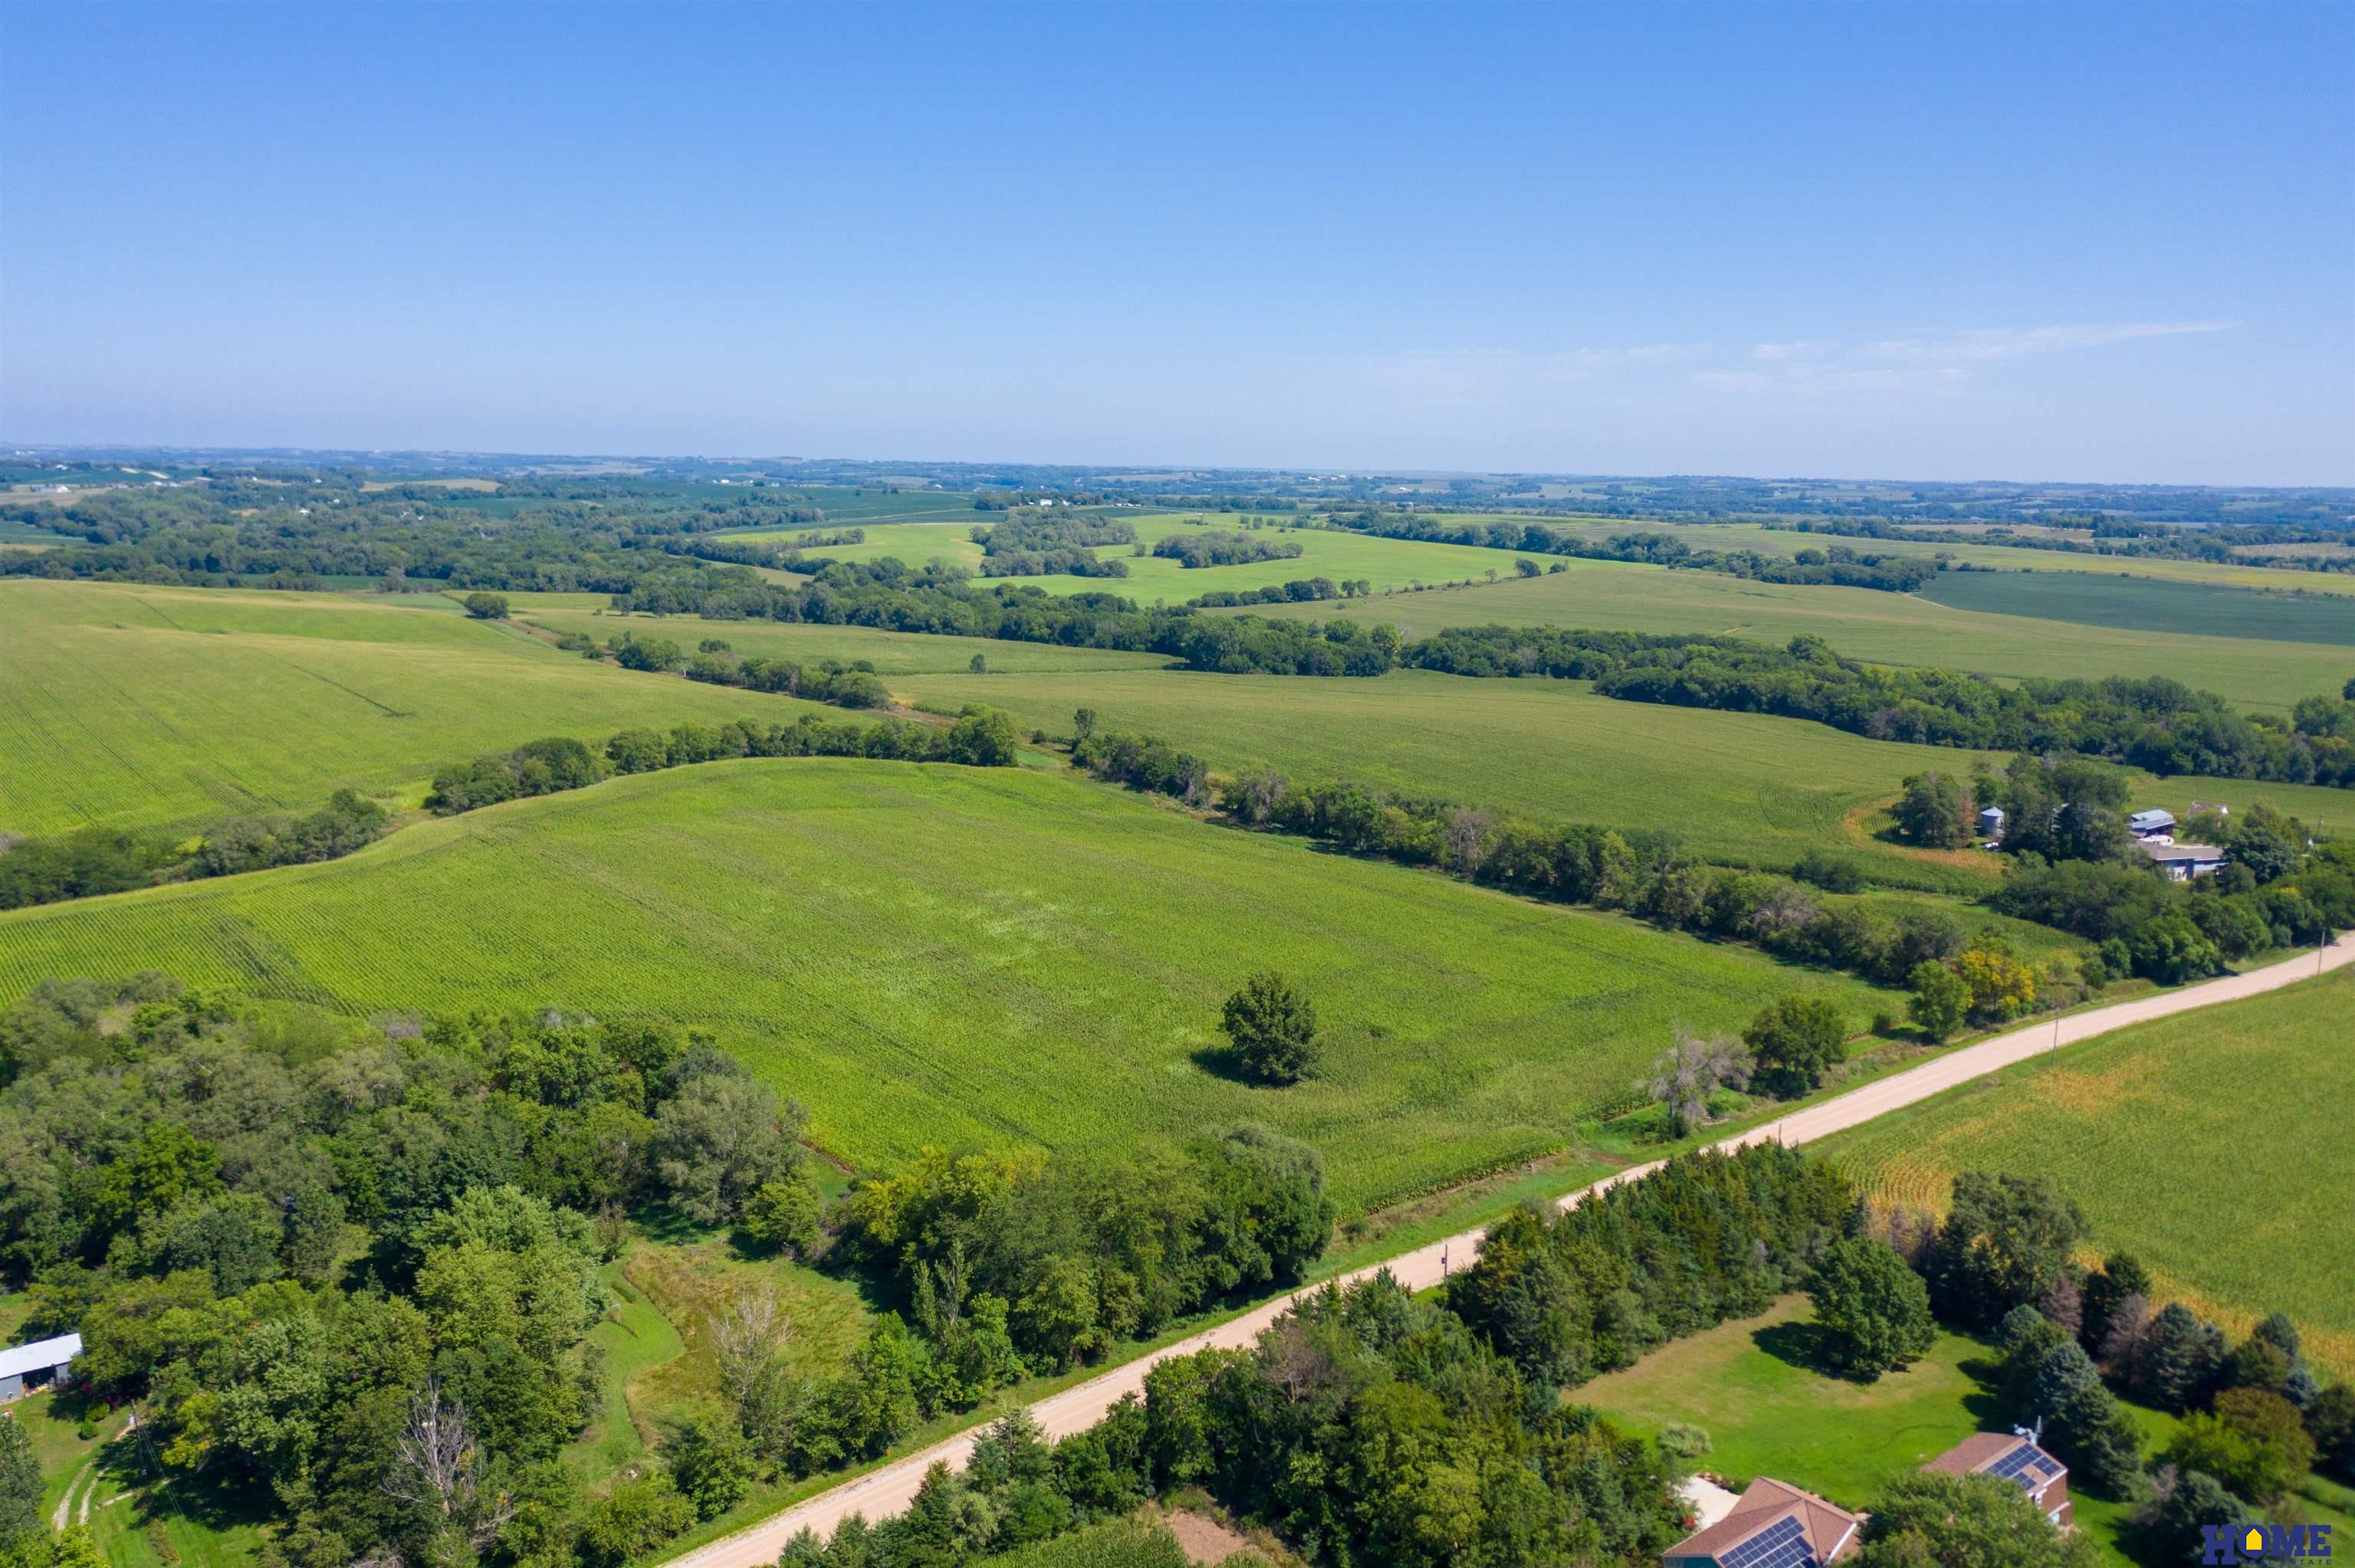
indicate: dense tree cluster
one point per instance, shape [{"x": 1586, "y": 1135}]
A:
[
  {"x": 1214, "y": 547},
  {"x": 982, "y": 738},
  {"x": 2003, "y": 1263},
  {"x": 1035, "y": 543},
  {"x": 350, "y": 1268},
  {"x": 107, "y": 859},
  {"x": 1013, "y": 1259},
  {"x": 1707, "y": 1237}
]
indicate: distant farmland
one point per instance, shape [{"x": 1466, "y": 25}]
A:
[
  {"x": 2149, "y": 604},
  {"x": 1860, "y": 623},
  {"x": 139, "y": 705},
  {"x": 956, "y": 957}
]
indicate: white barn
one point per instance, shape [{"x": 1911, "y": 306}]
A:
[{"x": 26, "y": 1369}]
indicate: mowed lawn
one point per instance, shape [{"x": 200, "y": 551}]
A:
[
  {"x": 1751, "y": 1386},
  {"x": 935, "y": 955},
  {"x": 1334, "y": 553},
  {"x": 1860, "y": 623},
  {"x": 2212, "y": 1146},
  {"x": 134, "y": 705}
]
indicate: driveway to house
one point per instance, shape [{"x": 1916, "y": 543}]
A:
[{"x": 883, "y": 1492}]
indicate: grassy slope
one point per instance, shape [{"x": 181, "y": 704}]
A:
[
  {"x": 1331, "y": 552},
  {"x": 1861, "y": 623},
  {"x": 138, "y": 705},
  {"x": 1737, "y": 787},
  {"x": 1748, "y": 1385},
  {"x": 2203, "y": 1144},
  {"x": 935, "y": 955},
  {"x": 891, "y": 653}
]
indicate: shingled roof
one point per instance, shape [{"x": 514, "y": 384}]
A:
[
  {"x": 1824, "y": 1529},
  {"x": 2003, "y": 1454}
]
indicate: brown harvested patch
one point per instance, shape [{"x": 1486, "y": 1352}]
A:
[
  {"x": 1856, "y": 825},
  {"x": 2089, "y": 1094},
  {"x": 1205, "y": 1540}
]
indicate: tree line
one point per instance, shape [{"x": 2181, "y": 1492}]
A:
[
  {"x": 1838, "y": 565},
  {"x": 982, "y": 737},
  {"x": 1217, "y": 547},
  {"x": 92, "y": 861}
]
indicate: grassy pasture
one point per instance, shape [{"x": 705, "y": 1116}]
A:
[
  {"x": 1861, "y": 623},
  {"x": 1331, "y": 552},
  {"x": 2208, "y": 1145},
  {"x": 938, "y": 955},
  {"x": 137, "y": 706},
  {"x": 1767, "y": 1410},
  {"x": 2151, "y": 604}
]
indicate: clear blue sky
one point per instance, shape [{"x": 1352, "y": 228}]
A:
[{"x": 2019, "y": 241}]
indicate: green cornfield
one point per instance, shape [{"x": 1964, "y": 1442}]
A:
[
  {"x": 2211, "y": 1145},
  {"x": 935, "y": 955},
  {"x": 133, "y": 705}
]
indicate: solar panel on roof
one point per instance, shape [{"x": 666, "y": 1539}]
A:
[
  {"x": 2026, "y": 1463},
  {"x": 1782, "y": 1544}
]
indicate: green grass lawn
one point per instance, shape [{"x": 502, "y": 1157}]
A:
[
  {"x": 1860, "y": 623},
  {"x": 948, "y": 955},
  {"x": 2208, "y": 1145},
  {"x": 1749, "y": 1384},
  {"x": 133, "y": 705}
]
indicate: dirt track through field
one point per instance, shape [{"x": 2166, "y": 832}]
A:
[{"x": 885, "y": 1491}]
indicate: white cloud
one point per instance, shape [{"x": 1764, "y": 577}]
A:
[{"x": 1980, "y": 344}]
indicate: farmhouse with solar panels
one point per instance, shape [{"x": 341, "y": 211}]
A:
[
  {"x": 2011, "y": 1456},
  {"x": 1771, "y": 1525}
]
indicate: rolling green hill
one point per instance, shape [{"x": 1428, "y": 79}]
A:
[
  {"x": 935, "y": 955},
  {"x": 1860, "y": 623},
  {"x": 134, "y": 705}
]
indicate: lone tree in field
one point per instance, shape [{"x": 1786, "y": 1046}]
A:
[
  {"x": 1692, "y": 1070},
  {"x": 487, "y": 606},
  {"x": 1272, "y": 1027},
  {"x": 1875, "y": 1311},
  {"x": 1795, "y": 1041}
]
